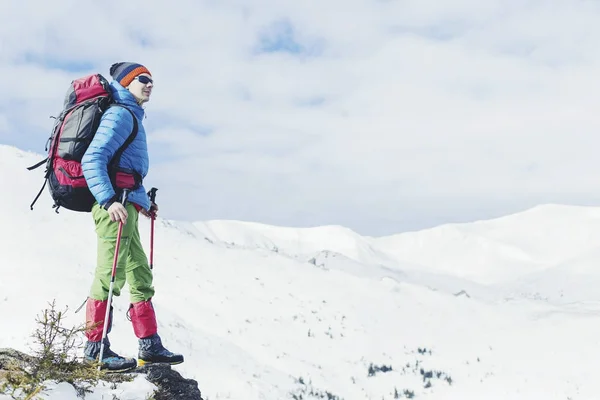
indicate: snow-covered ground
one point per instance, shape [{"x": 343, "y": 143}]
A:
[{"x": 499, "y": 309}]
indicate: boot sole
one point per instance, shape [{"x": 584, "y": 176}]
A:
[
  {"x": 141, "y": 363},
  {"x": 117, "y": 371}
]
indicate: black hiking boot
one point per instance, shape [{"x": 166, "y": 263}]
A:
[
  {"x": 152, "y": 351},
  {"x": 111, "y": 361}
]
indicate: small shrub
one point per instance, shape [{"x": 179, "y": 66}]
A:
[
  {"x": 374, "y": 369},
  {"x": 428, "y": 375},
  {"x": 54, "y": 359},
  {"x": 308, "y": 392}
]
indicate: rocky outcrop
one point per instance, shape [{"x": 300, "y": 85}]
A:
[
  {"x": 13, "y": 360},
  {"x": 171, "y": 385}
]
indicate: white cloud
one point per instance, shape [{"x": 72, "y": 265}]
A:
[{"x": 411, "y": 111}]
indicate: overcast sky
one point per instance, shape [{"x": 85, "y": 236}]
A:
[{"x": 382, "y": 116}]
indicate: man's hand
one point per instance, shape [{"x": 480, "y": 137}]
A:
[
  {"x": 153, "y": 211},
  {"x": 117, "y": 212}
]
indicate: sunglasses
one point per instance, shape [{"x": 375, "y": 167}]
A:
[{"x": 144, "y": 79}]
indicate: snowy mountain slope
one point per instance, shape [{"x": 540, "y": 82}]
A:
[
  {"x": 339, "y": 248},
  {"x": 500, "y": 249},
  {"x": 258, "y": 324},
  {"x": 573, "y": 282}
]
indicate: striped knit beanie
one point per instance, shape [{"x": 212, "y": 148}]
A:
[{"x": 125, "y": 72}]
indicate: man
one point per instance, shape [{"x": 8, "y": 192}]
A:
[{"x": 131, "y": 88}]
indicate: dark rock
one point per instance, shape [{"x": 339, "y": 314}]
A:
[
  {"x": 14, "y": 359},
  {"x": 171, "y": 385}
]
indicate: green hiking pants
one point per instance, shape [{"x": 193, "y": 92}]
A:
[{"x": 132, "y": 266}]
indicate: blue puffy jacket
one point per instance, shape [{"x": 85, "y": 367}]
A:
[{"x": 115, "y": 127}]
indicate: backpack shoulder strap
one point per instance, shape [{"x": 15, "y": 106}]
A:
[{"x": 132, "y": 135}]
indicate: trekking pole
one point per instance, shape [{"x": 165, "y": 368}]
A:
[
  {"x": 152, "y": 195},
  {"x": 112, "y": 282}
]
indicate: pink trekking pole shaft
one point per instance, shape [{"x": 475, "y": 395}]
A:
[
  {"x": 152, "y": 196},
  {"x": 152, "y": 242},
  {"x": 112, "y": 282}
]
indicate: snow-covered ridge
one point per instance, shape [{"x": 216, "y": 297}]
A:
[
  {"x": 489, "y": 251},
  {"x": 296, "y": 242}
]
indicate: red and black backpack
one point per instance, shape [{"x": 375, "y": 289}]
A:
[{"x": 86, "y": 100}]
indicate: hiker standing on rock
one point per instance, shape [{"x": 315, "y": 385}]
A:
[{"x": 131, "y": 89}]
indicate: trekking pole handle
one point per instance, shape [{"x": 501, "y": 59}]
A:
[{"x": 152, "y": 194}]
